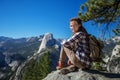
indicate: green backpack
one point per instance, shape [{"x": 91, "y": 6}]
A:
[{"x": 95, "y": 48}]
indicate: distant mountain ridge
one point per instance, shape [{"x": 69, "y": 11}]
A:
[{"x": 15, "y": 51}]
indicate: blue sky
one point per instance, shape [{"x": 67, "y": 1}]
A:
[{"x": 27, "y": 18}]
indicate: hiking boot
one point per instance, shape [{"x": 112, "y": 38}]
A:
[
  {"x": 69, "y": 62},
  {"x": 68, "y": 69},
  {"x": 60, "y": 65}
]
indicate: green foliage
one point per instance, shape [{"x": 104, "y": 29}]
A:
[
  {"x": 100, "y": 10},
  {"x": 97, "y": 65},
  {"x": 38, "y": 70},
  {"x": 103, "y": 12},
  {"x": 116, "y": 31}
]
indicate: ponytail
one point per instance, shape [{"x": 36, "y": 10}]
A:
[{"x": 82, "y": 29}]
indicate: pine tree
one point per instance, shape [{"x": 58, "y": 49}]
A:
[
  {"x": 117, "y": 30},
  {"x": 103, "y": 12},
  {"x": 37, "y": 70}
]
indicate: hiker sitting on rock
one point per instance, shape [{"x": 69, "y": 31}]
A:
[{"x": 76, "y": 48}]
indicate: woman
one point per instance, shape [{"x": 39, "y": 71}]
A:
[{"x": 76, "y": 48}]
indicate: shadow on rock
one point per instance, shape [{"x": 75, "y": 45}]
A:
[{"x": 109, "y": 75}]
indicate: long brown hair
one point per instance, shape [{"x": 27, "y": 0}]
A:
[{"x": 78, "y": 20}]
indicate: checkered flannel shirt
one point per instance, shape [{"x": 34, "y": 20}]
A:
[{"x": 79, "y": 44}]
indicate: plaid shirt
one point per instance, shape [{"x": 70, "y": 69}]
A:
[{"x": 79, "y": 44}]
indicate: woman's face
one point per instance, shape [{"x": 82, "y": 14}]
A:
[{"x": 74, "y": 26}]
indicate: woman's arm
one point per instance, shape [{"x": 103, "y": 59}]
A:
[{"x": 72, "y": 40}]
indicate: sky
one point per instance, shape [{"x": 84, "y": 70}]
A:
[{"x": 28, "y": 18}]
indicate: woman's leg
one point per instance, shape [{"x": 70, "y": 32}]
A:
[
  {"x": 71, "y": 55},
  {"x": 62, "y": 58},
  {"x": 62, "y": 55}
]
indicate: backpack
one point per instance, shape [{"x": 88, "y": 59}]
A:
[{"x": 95, "y": 48}]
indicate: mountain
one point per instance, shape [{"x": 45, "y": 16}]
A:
[
  {"x": 13, "y": 52},
  {"x": 48, "y": 45},
  {"x": 48, "y": 41}
]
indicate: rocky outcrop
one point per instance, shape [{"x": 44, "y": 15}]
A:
[
  {"x": 113, "y": 64},
  {"x": 111, "y": 52},
  {"x": 116, "y": 51},
  {"x": 83, "y": 75},
  {"x": 109, "y": 45},
  {"x": 47, "y": 41},
  {"x": 14, "y": 65}
]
